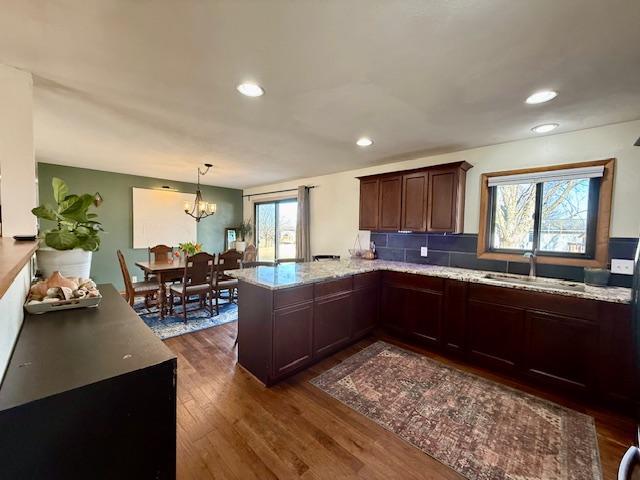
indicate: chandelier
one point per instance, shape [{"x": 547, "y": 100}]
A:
[{"x": 199, "y": 208}]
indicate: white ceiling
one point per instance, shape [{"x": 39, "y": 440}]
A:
[{"x": 148, "y": 87}]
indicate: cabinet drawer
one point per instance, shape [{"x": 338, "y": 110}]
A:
[
  {"x": 549, "y": 302},
  {"x": 292, "y": 296},
  {"x": 411, "y": 281},
  {"x": 333, "y": 287},
  {"x": 366, "y": 280}
]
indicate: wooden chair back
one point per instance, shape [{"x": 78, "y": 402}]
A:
[
  {"x": 231, "y": 259},
  {"x": 198, "y": 269},
  {"x": 160, "y": 253},
  {"x": 128, "y": 285},
  {"x": 250, "y": 253}
]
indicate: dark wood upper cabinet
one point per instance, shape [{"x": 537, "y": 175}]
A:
[
  {"x": 414, "y": 201},
  {"x": 429, "y": 199},
  {"x": 390, "y": 205},
  {"x": 443, "y": 191},
  {"x": 369, "y": 193}
]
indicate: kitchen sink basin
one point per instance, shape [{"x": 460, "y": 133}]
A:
[{"x": 537, "y": 282}]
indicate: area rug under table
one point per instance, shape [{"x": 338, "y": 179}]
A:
[
  {"x": 481, "y": 429},
  {"x": 174, "y": 325}
]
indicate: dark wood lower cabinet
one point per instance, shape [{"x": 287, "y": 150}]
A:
[
  {"x": 495, "y": 334},
  {"x": 578, "y": 345},
  {"x": 364, "y": 311},
  {"x": 422, "y": 315},
  {"x": 292, "y": 338},
  {"x": 332, "y": 324},
  {"x": 392, "y": 309},
  {"x": 560, "y": 350},
  {"x": 455, "y": 316}
]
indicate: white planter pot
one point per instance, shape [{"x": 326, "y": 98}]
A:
[
  {"x": 70, "y": 263},
  {"x": 241, "y": 246}
]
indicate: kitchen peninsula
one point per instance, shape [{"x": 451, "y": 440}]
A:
[{"x": 566, "y": 335}]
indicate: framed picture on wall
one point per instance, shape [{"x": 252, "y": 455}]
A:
[{"x": 230, "y": 237}]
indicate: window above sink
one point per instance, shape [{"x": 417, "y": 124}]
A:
[{"x": 561, "y": 212}]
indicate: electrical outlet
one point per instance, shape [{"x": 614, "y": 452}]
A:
[
  {"x": 424, "y": 251},
  {"x": 134, "y": 279},
  {"x": 625, "y": 267}
]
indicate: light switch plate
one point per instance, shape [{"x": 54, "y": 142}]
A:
[
  {"x": 625, "y": 267},
  {"x": 134, "y": 279},
  {"x": 424, "y": 251}
]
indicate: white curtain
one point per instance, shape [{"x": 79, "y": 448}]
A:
[{"x": 303, "y": 237}]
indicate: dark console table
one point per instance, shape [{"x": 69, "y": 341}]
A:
[{"x": 89, "y": 393}]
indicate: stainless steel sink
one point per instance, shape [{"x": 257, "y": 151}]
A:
[{"x": 537, "y": 282}]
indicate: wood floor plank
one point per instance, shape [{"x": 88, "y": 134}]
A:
[{"x": 232, "y": 427}]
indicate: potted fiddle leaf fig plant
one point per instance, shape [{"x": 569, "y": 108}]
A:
[
  {"x": 68, "y": 246},
  {"x": 244, "y": 230}
]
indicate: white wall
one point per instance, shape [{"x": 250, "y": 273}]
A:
[
  {"x": 17, "y": 159},
  {"x": 13, "y": 314},
  {"x": 334, "y": 203}
]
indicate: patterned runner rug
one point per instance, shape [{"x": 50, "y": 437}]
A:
[{"x": 481, "y": 429}]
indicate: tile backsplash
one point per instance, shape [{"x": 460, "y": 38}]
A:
[{"x": 460, "y": 251}]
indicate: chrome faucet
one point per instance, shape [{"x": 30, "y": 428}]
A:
[{"x": 532, "y": 263}]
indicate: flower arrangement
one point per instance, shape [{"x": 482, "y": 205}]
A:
[{"x": 190, "y": 248}]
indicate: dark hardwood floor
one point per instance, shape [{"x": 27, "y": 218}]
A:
[{"x": 230, "y": 426}]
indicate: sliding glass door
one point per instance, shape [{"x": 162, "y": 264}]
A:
[{"x": 275, "y": 229}]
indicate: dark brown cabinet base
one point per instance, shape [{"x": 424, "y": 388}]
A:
[{"x": 577, "y": 345}]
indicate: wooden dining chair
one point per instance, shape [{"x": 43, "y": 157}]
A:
[
  {"x": 199, "y": 275},
  {"x": 148, "y": 289},
  {"x": 229, "y": 260},
  {"x": 159, "y": 253},
  {"x": 250, "y": 253}
]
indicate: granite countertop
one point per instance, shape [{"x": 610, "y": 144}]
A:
[{"x": 296, "y": 274}]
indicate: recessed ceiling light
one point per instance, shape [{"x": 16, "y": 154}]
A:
[
  {"x": 545, "y": 127},
  {"x": 541, "y": 97},
  {"x": 364, "y": 142},
  {"x": 250, "y": 89}
]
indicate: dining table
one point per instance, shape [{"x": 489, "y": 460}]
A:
[{"x": 165, "y": 271}]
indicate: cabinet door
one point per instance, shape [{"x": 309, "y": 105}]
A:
[
  {"x": 332, "y": 324},
  {"x": 617, "y": 368},
  {"x": 442, "y": 204},
  {"x": 292, "y": 338},
  {"x": 561, "y": 350},
  {"x": 495, "y": 334},
  {"x": 414, "y": 201},
  {"x": 369, "y": 204},
  {"x": 422, "y": 315},
  {"x": 390, "y": 203},
  {"x": 392, "y": 309},
  {"x": 455, "y": 315},
  {"x": 364, "y": 311}
]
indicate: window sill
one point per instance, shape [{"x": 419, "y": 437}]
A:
[{"x": 546, "y": 260}]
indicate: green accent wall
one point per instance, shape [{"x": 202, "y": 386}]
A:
[{"x": 116, "y": 214}]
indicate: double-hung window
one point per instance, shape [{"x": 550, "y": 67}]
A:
[{"x": 554, "y": 212}]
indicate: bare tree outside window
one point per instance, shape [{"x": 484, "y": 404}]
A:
[
  {"x": 563, "y": 216},
  {"x": 276, "y": 229}
]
